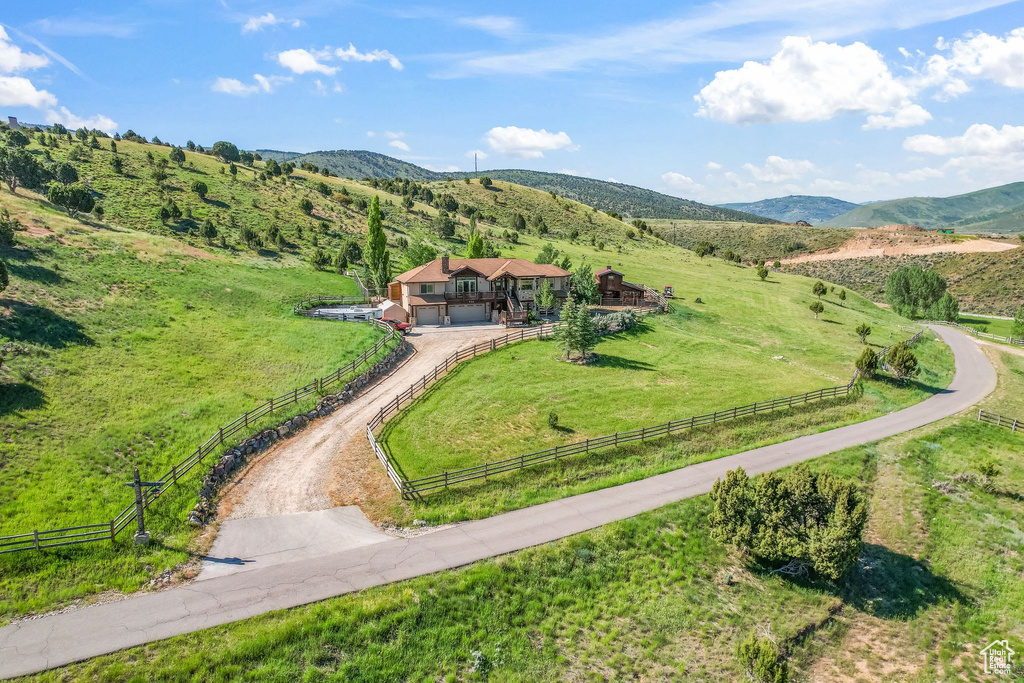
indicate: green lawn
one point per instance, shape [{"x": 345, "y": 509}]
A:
[
  {"x": 995, "y": 326},
  {"x": 137, "y": 349},
  {"x": 655, "y": 597},
  {"x": 748, "y": 340}
]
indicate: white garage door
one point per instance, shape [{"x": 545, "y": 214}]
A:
[
  {"x": 467, "y": 313},
  {"x": 427, "y": 315}
]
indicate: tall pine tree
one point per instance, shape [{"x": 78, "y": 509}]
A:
[{"x": 378, "y": 261}]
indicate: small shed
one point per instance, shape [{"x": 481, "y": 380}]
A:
[
  {"x": 390, "y": 309},
  {"x": 615, "y": 291}
]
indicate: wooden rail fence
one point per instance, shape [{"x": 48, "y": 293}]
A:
[
  {"x": 51, "y": 538},
  {"x": 412, "y": 488},
  {"x": 978, "y": 333},
  {"x": 1011, "y": 423}
]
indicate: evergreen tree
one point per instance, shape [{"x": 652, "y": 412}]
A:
[
  {"x": 867, "y": 362},
  {"x": 208, "y": 231},
  {"x": 586, "y": 333},
  {"x": 177, "y": 156},
  {"x": 566, "y": 334},
  {"x": 584, "y": 285},
  {"x": 475, "y": 246},
  {"x": 819, "y": 289},
  {"x": 378, "y": 261},
  {"x": 1017, "y": 330},
  {"x": 863, "y": 331}
]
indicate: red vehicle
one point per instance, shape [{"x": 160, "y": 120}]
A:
[{"x": 397, "y": 324}]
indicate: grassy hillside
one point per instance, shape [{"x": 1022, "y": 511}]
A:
[
  {"x": 135, "y": 347},
  {"x": 984, "y": 283},
  {"x": 795, "y": 208},
  {"x": 655, "y": 596},
  {"x": 751, "y": 242},
  {"x": 355, "y": 163},
  {"x": 993, "y": 210},
  {"x": 627, "y": 200}
]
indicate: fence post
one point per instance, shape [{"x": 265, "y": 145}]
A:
[
  {"x": 111, "y": 531},
  {"x": 174, "y": 473},
  {"x": 446, "y": 479},
  {"x": 222, "y": 435},
  {"x": 35, "y": 537},
  {"x": 247, "y": 419}
]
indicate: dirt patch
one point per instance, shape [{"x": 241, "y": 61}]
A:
[{"x": 890, "y": 241}]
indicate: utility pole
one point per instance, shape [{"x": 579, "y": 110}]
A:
[
  {"x": 476, "y": 170},
  {"x": 141, "y": 535}
]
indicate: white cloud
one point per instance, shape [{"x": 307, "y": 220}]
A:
[
  {"x": 441, "y": 169},
  {"x": 394, "y": 135},
  {"x": 370, "y": 134},
  {"x": 910, "y": 115},
  {"x": 497, "y": 25},
  {"x": 478, "y": 153},
  {"x": 398, "y": 144},
  {"x": 527, "y": 143},
  {"x": 979, "y": 140},
  {"x": 568, "y": 171},
  {"x": 302, "y": 61},
  {"x": 920, "y": 174},
  {"x": 71, "y": 121},
  {"x": 611, "y": 179},
  {"x": 679, "y": 183},
  {"x": 351, "y": 54},
  {"x": 714, "y": 166},
  {"x": 16, "y": 91},
  {"x": 233, "y": 86},
  {"x": 13, "y": 60},
  {"x": 777, "y": 169},
  {"x": 268, "y": 19},
  {"x": 806, "y": 81},
  {"x": 726, "y": 30},
  {"x": 977, "y": 56}
]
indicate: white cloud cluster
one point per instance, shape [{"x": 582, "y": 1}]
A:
[
  {"x": 399, "y": 144},
  {"x": 809, "y": 81},
  {"x": 268, "y": 19},
  {"x": 19, "y": 91},
  {"x": 976, "y": 56},
  {"x": 262, "y": 84},
  {"x": 303, "y": 61},
  {"x": 351, "y": 54},
  {"x": 527, "y": 143},
  {"x": 777, "y": 169},
  {"x": 478, "y": 153},
  {"x": 679, "y": 183},
  {"x": 979, "y": 140}
]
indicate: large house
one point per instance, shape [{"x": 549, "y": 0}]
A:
[
  {"x": 615, "y": 291},
  {"x": 464, "y": 290}
]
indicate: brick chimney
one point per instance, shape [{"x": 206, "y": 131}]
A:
[{"x": 444, "y": 265}]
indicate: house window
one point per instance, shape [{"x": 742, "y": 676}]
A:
[
  {"x": 427, "y": 288},
  {"x": 526, "y": 285},
  {"x": 465, "y": 284}
]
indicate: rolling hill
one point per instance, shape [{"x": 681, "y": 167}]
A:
[
  {"x": 628, "y": 200},
  {"x": 993, "y": 210},
  {"x": 796, "y": 207}
]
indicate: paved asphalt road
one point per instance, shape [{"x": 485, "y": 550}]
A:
[{"x": 51, "y": 641}]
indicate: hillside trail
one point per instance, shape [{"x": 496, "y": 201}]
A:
[{"x": 330, "y": 463}]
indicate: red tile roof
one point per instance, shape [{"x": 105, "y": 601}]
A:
[{"x": 490, "y": 268}]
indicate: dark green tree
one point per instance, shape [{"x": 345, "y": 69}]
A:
[
  {"x": 208, "y": 231},
  {"x": 74, "y": 199},
  {"x": 306, "y": 206},
  {"x": 867, "y": 362},
  {"x": 8, "y": 226},
  {"x": 1017, "y": 329},
  {"x": 798, "y": 517},
  {"x": 817, "y": 308},
  {"x": 225, "y": 151},
  {"x": 485, "y": 181},
  {"x": 419, "y": 253},
  {"x": 912, "y": 291},
  {"x": 819, "y": 289},
  {"x": 19, "y": 168},
  {"x": 762, "y": 273},
  {"x": 378, "y": 261},
  {"x": 177, "y": 156},
  {"x": 947, "y": 308},
  {"x": 5, "y": 278},
  {"x": 761, "y": 660},
  {"x": 863, "y": 331},
  {"x": 901, "y": 361},
  {"x": 199, "y": 187},
  {"x": 704, "y": 248}
]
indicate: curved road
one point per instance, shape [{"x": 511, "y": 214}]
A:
[{"x": 59, "y": 639}]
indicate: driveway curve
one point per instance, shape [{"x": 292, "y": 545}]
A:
[{"x": 59, "y": 639}]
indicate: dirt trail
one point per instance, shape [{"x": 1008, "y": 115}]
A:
[
  {"x": 330, "y": 463},
  {"x": 882, "y": 242}
]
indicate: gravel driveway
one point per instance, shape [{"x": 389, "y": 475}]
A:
[{"x": 330, "y": 463}]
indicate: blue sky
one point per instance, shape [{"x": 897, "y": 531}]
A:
[{"x": 727, "y": 101}]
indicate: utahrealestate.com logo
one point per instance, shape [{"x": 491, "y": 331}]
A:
[{"x": 998, "y": 658}]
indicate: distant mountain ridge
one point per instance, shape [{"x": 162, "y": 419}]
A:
[
  {"x": 993, "y": 210},
  {"x": 797, "y": 207},
  {"x": 628, "y": 200}
]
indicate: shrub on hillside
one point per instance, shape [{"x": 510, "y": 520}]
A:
[
  {"x": 619, "y": 321},
  {"x": 803, "y": 520},
  {"x": 901, "y": 361},
  {"x": 761, "y": 660},
  {"x": 867, "y": 362},
  {"x": 817, "y": 308},
  {"x": 72, "y": 198},
  {"x": 863, "y": 331},
  {"x": 200, "y": 188},
  {"x": 8, "y": 226}
]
